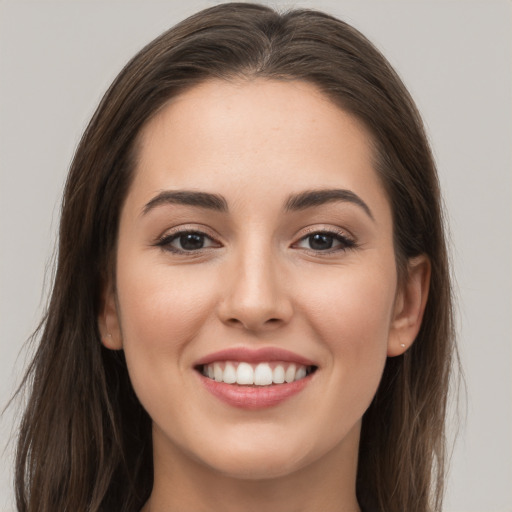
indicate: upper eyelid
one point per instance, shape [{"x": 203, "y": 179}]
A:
[
  {"x": 303, "y": 233},
  {"x": 205, "y": 231},
  {"x": 179, "y": 230},
  {"x": 345, "y": 241},
  {"x": 343, "y": 233}
]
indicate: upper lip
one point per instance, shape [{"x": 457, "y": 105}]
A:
[{"x": 250, "y": 355}]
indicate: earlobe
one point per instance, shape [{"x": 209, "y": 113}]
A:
[
  {"x": 409, "y": 306},
  {"x": 108, "y": 320}
]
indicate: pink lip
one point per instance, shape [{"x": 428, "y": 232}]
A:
[
  {"x": 254, "y": 397},
  {"x": 261, "y": 355}
]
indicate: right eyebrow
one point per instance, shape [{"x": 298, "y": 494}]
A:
[{"x": 187, "y": 197}]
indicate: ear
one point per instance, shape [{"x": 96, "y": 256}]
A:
[
  {"x": 108, "y": 319},
  {"x": 410, "y": 305}
]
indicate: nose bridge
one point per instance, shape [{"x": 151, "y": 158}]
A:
[{"x": 255, "y": 296}]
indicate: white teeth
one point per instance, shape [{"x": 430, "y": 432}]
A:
[
  {"x": 229, "y": 374},
  {"x": 289, "y": 376},
  {"x": 244, "y": 374},
  {"x": 278, "y": 375},
  {"x": 261, "y": 374},
  {"x": 218, "y": 374},
  {"x": 301, "y": 373}
]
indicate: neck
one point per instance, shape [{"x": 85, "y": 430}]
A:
[{"x": 183, "y": 483}]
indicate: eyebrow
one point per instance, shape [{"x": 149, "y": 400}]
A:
[
  {"x": 295, "y": 202},
  {"x": 204, "y": 200},
  {"x": 311, "y": 198}
]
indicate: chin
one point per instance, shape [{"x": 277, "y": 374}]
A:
[
  {"x": 264, "y": 466},
  {"x": 261, "y": 457}
]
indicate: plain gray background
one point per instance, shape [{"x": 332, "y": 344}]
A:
[{"x": 56, "y": 60}]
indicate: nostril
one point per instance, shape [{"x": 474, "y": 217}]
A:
[{"x": 248, "y": 324}]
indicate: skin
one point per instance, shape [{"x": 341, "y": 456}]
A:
[{"x": 258, "y": 283}]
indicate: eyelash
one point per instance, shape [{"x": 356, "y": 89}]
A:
[
  {"x": 166, "y": 240},
  {"x": 345, "y": 241}
]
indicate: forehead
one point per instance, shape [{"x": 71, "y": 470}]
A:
[{"x": 258, "y": 136}]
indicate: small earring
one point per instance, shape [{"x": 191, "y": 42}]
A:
[{"x": 402, "y": 345}]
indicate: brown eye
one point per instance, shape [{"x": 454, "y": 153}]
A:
[
  {"x": 191, "y": 241},
  {"x": 320, "y": 241},
  {"x": 186, "y": 241},
  {"x": 323, "y": 241}
]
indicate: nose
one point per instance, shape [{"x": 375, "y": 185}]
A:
[{"x": 255, "y": 295}]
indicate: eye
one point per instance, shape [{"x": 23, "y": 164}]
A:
[
  {"x": 326, "y": 241},
  {"x": 187, "y": 241}
]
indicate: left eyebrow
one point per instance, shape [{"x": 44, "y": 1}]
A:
[{"x": 311, "y": 198}]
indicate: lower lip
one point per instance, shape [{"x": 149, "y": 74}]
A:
[{"x": 254, "y": 397}]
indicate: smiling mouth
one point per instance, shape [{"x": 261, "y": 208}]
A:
[{"x": 242, "y": 373}]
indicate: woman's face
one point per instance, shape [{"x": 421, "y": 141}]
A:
[{"x": 255, "y": 243}]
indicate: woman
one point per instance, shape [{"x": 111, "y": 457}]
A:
[{"x": 252, "y": 306}]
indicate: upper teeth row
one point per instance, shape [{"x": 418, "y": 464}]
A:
[{"x": 261, "y": 374}]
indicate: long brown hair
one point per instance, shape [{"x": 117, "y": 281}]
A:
[{"x": 85, "y": 440}]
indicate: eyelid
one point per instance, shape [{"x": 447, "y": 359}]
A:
[
  {"x": 347, "y": 239},
  {"x": 169, "y": 235},
  {"x": 328, "y": 229}
]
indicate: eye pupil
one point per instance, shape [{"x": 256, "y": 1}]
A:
[
  {"x": 318, "y": 241},
  {"x": 191, "y": 241}
]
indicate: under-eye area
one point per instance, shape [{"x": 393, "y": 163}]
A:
[{"x": 259, "y": 374}]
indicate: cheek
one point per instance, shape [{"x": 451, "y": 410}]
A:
[
  {"x": 160, "y": 308},
  {"x": 351, "y": 316},
  {"x": 352, "y": 309},
  {"x": 161, "y": 311}
]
